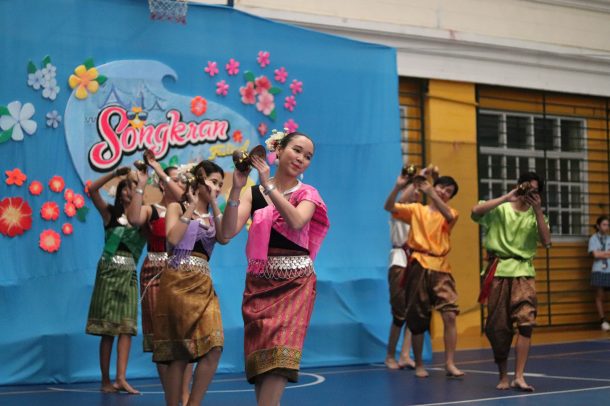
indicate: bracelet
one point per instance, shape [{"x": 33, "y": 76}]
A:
[
  {"x": 167, "y": 179},
  {"x": 185, "y": 220},
  {"x": 268, "y": 189},
  {"x": 218, "y": 217},
  {"x": 139, "y": 191},
  {"x": 232, "y": 203}
]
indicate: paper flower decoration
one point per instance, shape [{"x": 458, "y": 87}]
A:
[
  {"x": 69, "y": 195},
  {"x": 35, "y": 188},
  {"x": 86, "y": 79},
  {"x": 50, "y": 241},
  {"x": 70, "y": 209},
  {"x": 296, "y": 86},
  {"x": 44, "y": 77},
  {"x": 57, "y": 184},
  {"x": 199, "y": 105},
  {"x": 232, "y": 67},
  {"x": 290, "y": 103},
  {"x": 291, "y": 126},
  {"x": 15, "y": 177},
  {"x": 67, "y": 229},
  {"x": 238, "y": 136},
  {"x": 211, "y": 69},
  {"x": 87, "y": 185},
  {"x": 78, "y": 201},
  {"x": 222, "y": 88},
  {"x": 49, "y": 211},
  {"x": 262, "y": 129},
  {"x": 15, "y": 216},
  {"x": 53, "y": 119},
  {"x": 262, "y": 84},
  {"x": 16, "y": 119},
  {"x": 265, "y": 103},
  {"x": 281, "y": 75},
  {"x": 263, "y": 58},
  {"x": 248, "y": 94}
]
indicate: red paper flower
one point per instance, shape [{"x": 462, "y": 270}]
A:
[
  {"x": 237, "y": 136},
  {"x": 49, "y": 241},
  {"x": 199, "y": 105},
  {"x": 49, "y": 211},
  {"x": 69, "y": 209},
  {"x": 57, "y": 184},
  {"x": 36, "y": 188},
  {"x": 15, "y": 177},
  {"x": 262, "y": 129},
  {"x": 78, "y": 201},
  {"x": 67, "y": 229},
  {"x": 87, "y": 185},
  {"x": 248, "y": 94},
  {"x": 262, "y": 84},
  {"x": 69, "y": 195},
  {"x": 15, "y": 216}
]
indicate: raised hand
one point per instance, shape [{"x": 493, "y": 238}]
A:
[
  {"x": 263, "y": 169},
  {"x": 124, "y": 170}
]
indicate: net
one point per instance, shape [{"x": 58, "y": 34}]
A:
[{"x": 171, "y": 10}]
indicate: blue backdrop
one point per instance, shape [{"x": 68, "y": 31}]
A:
[{"x": 348, "y": 104}]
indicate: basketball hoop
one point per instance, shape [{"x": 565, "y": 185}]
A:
[{"x": 168, "y": 10}]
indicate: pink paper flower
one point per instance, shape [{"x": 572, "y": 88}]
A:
[
  {"x": 265, "y": 103},
  {"x": 232, "y": 67},
  {"x": 199, "y": 105},
  {"x": 67, "y": 229},
  {"x": 69, "y": 209},
  {"x": 291, "y": 126},
  {"x": 281, "y": 75},
  {"x": 262, "y": 84},
  {"x": 35, "y": 188},
  {"x": 49, "y": 211},
  {"x": 56, "y": 184},
  {"x": 262, "y": 129},
  {"x": 222, "y": 88},
  {"x": 248, "y": 94},
  {"x": 263, "y": 58},
  {"x": 296, "y": 86},
  {"x": 69, "y": 195},
  {"x": 211, "y": 69},
  {"x": 290, "y": 103},
  {"x": 78, "y": 201},
  {"x": 49, "y": 241}
]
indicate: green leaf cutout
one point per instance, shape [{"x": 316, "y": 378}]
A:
[
  {"x": 31, "y": 67},
  {"x": 249, "y": 76},
  {"x": 275, "y": 90},
  {"x": 101, "y": 79},
  {"x": 45, "y": 61},
  {"x": 81, "y": 214},
  {"x": 174, "y": 161},
  {"x": 89, "y": 63},
  {"x": 6, "y": 135},
  {"x": 4, "y": 111},
  {"x": 273, "y": 115}
]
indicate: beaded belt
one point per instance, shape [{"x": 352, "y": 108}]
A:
[
  {"x": 125, "y": 263},
  {"x": 287, "y": 267},
  {"x": 157, "y": 258},
  {"x": 190, "y": 264}
]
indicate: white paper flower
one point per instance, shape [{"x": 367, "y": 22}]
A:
[
  {"x": 19, "y": 120},
  {"x": 50, "y": 91},
  {"x": 35, "y": 79},
  {"x": 49, "y": 72},
  {"x": 53, "y": 119}
]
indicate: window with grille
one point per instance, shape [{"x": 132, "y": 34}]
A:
[{"x": 553, "y": 146}]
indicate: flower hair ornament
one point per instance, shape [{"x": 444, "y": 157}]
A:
[{"x": 273, "y": 142}]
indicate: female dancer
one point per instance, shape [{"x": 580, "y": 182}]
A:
[
  {"x": 152, "y": 218},
  {"x": 289, "y": 222},
  {"x": 113, "y": 310},
  {"x": 187, "y": 324}
]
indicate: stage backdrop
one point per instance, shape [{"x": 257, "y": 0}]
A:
[{"x": 87, "y": 85}]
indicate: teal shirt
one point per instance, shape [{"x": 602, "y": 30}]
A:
[{"x": 511, "y": 233}]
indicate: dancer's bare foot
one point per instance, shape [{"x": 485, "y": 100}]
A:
[
  {"x": 421, "y": 372},
  {"x": 108, "y": 388},
  {"x": 503, "y": 383},
  {"x": 391, "y": 363},
  {"x": 122, "y": 385},
  {"x": 521, "y": 385},
  {"x": 406, "y": 362},
  {"x": 453, "y": 371}
]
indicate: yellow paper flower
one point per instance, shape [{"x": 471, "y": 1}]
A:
[{"x": 84, "y": 80}]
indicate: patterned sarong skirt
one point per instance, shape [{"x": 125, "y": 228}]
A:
[
  {"x": 154, "y": 263},
  {"x": 277, "y": 307},
  {"x": 187, "y": 322},
  {"x": 114, "y": 302}
]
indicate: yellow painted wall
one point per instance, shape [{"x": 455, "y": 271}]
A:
[{"x": 450, "y": 128}]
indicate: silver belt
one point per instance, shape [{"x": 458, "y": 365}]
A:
[
  {"x": 190, "y": 264},
  {"x": 287, "y": 267},
  {"x": 120, "y": 262},
  {"x": 157, "y": 258}
]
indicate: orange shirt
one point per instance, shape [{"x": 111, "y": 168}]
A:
[{"x": 429, "y": 234}]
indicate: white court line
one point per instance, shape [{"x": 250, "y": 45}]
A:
[
  {"x": 514, "y": 396},
  {"x": 531, "y": 374}
]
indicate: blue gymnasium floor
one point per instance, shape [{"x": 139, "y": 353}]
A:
[{"x": 563, "y": 374}]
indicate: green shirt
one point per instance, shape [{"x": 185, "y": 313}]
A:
[{"x": 512, "y": 235}]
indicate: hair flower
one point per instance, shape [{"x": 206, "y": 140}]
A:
[{"x": 274, "y": 139}]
